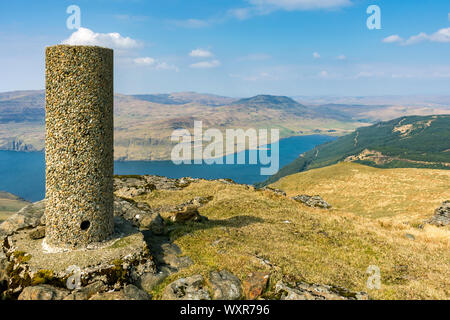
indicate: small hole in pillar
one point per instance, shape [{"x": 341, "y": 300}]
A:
[{"x": 85, "y": 225}]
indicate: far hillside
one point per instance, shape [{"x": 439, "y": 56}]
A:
[
  {"x": 10, "y": 204},
  {"x": 406, "y": 142}
]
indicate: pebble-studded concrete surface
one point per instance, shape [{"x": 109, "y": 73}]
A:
[{"x": 79, "y": 145}]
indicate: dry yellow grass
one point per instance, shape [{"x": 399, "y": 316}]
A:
[{"x": 319, "y": 246}]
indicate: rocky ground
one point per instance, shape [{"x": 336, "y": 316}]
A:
[{"x": 167, "y": 257}]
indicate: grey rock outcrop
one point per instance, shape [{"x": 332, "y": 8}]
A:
[
  {"x": 43, "y": 292},
  {"x": 305, "y": 291},
  {"x": 30, "y": 216},
  {"x": 129, "y": 292},
  {"x": 312, "y": 201},
  {"x": 441, "y": 215},
  {"x": 225, "y": 285},
  {"x": 190, "y": 288},
  {"x": 140, "y": 214}
]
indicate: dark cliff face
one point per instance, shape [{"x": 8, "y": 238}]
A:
[{"x": 18, "y": 145}]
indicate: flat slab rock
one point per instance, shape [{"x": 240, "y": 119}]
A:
[{"x": 305, "y": 291}]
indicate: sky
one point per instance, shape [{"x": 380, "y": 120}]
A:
[{"x": 240, "y": 48}]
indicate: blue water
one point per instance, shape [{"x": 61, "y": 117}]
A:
[{"x": 23, "y": 173}]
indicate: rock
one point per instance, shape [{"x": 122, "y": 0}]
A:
[
  {"x": 140, "y": 214},
  {"x": 86, "y": 292},
  {"x": 441, "y": 215},
  {"x": 255, "y": 284},
  {"x": 226, "y": 181},
  {"x": 225, "y": 285},
  {"x": 190, "y": 288},
  {"x": 177, "y": 262},
  {"x": 188, "y": 211},
  {"x": 273, "y": 190},
  {"x": 43, "y": 292},
  {"x": 132, "y": 186},
  {"x": 312, "y": 201},
  {"x": 28, "y": 217},
  {"x": 149, "y": 281},
  {"x": 3, "y": 268},
  {"x": 410, "y": 236},
  {"x": 37, "y": 233},
  {"x": 304, "y": 291},
  {"x": 129, "y": 292}
]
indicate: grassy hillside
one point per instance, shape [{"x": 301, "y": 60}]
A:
[
  {"x": 373, "y": 192},
  {"x": 10, "y": 204},
  {"x": 250, "y": 230},
  {"x": 415, "y": 141}
]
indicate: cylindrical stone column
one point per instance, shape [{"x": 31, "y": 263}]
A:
[{"x": 78, "y": 145}]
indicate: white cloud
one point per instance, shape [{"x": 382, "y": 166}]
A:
[
  {"x": 291, "y": 5},
  {"x": 263, "y": 7},
  {"x": 316, "y": 55},
  {"x": 206, "y": 64},
  {"x": 441, "y": 36},
  {"x": 392, "y": 39},
  {"x": 151, "y": 62},
  {"x": 201, "y": 53},
  {"x": 341, "y": 57},
  {"x": 166, "y": 66},
  {"x": 190, "y": 23},
  {"x": 146, "y": 61},
  {"x": 114, "y": 40}
]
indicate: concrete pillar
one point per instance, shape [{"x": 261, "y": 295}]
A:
[{"x": 78, "y": 145}]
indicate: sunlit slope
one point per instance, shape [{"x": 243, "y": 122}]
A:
[
  {"x": 333, "y": 247},
  {"x": 408, "y": 193}
]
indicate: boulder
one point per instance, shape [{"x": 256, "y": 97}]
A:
[
  {"x": 140, "y": 214},
  {"x": 37, "y": 233},
  {"x": 312, "y": 201},
  {"x": 149, "y": 281},
  {"x": 129, "y": 292},
  {"x": 87, "y": 292},
  {"x": 255, "y": 284},
  {"x": 132, "y": 186},
  {"x": 188, "y": 211},
  {"x": 225, "y": 285},
  {"x": 441, "y": 215},
  {"x": 43, "y": 292},
  {"x": 28, "y": 217},
  {"x": 273, "y": 190},
  {"x": 190, "y": 288},
  {"x": 305, "y": 291}
]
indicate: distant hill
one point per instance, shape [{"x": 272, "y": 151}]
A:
[
  {"x": 143, "y": 124},
  {"x": 181, "y": 98},
  {"x": 274, "y": 102},
  {"x": 20, "y": 106},
  {"x": 414, "y": 141}
]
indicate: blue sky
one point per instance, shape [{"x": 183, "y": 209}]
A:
[{"x": 240, "y": 47}]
